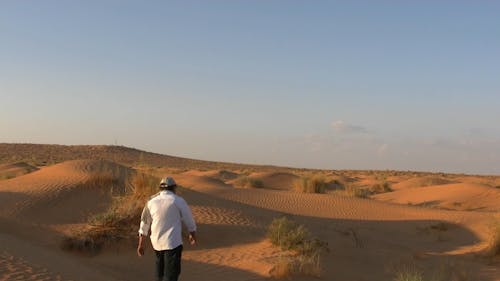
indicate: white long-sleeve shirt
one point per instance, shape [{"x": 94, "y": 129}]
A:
[{"x": 164, "y": 214}]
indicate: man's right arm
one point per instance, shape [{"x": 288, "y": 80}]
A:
[{"x": 144, "y": 229}]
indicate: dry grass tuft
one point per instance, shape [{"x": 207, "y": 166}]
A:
[
  {"x": 447, "y": 271},
  {"x": 355, "y": 191},
  {"x": 409, "y": 275},
  {"x": 249, "y": 182},
  {"x": 494, "y": 241},
  {"x": 381, "y": 188},
  {"x": 290, "y": 236},
  {"x": 119, "y": 220},
  {"x": 311, "y": 184},
  {"x": 287, "y": 234},
  {"x": 7, "y": 176},
  {"x": 283, "y": 268}
]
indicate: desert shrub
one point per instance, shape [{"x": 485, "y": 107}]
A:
[
  {"x": 120, "y": 219},
  {"x": 381, "y": 187},
  {"x": 87, "y": 243},
  {"x": 105, "y": 180},
  {"x": 314, "y": 184},
  {"x": 446, "y": 271},
  {"x": 290, "y": 236},
  {"x": 358, "y": 192},
  {"x": 406, "y": 270},
  {"x": 246, "y": 181},
  {"x": 494, "y": 241},
  {"x": 287, "y": 234},
  {"x": 7, "y": 176},
  {"x": 283, "y": 268},
  {"x": 337, "y": 185},
  {"x": 128, "y": 206},
  {"x": 409, "y": 276},
  {"x": 143, "y": 185}
]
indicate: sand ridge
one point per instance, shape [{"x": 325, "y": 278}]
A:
[
  {"x": 461, "y": 196},
  {"x": 232, "y": 222}
]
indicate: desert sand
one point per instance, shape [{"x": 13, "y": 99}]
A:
[{"x": 438, "y": 225}]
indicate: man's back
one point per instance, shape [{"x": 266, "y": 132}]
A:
[{"x": 164, "y": 214}]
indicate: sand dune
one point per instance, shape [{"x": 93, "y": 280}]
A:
[
  {"x": 384, "y": 228},
  {"x": 57, "y": 193},
  {"x": 365, "y": 236},
  {"x": 12, "y": 170},
  {"x": 276, "y": 180},
  {"x": 459, "y": 196},
  {"x": 421, "y": 182}
]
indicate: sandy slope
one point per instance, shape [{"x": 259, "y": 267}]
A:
[
  {"x": 350, "y": 225},
  {"x": 365, "y": 236},
  {"x": 13, "y": 170},
  {"x": 462, "y": 196},
  {"x": 421, "y": 182},
  {"x": 57, "y": 194}
]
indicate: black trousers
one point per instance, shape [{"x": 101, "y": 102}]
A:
[{"x": 168, "y": 264}]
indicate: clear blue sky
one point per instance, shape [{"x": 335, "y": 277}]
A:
[{"x": 409, "y": 85}]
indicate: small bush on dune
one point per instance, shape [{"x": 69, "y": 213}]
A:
[
  {"x": 447, "y": 271},
  {"x": 7, "y": 176},
  {"x": 143, "y": 185},
  {"x": 126, "y": 208},
  {"x": 290, "y": 236},
  {"x": 358, "y": 192},
  {"x": 381, "y": 187},
  {"x": 249, "y": 182},
  {"x": 314, "y": 184},
  {"x": 409, "y": 276},
  {"x": 120, "y": 219},
  {"x": 286, "y": 234},
  {"x": 494, "y": 243},
  {"x": 283, "y": 268}
]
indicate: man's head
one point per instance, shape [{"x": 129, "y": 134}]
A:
[{"x": 168, "y": 183}]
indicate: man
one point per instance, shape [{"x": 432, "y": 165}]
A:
[{"x": 163, "y": 215}]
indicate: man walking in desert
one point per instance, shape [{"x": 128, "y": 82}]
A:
[{"x": 164, "y": 214}]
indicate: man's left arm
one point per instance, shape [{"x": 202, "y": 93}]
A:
[{"x": 187, "y": 218}]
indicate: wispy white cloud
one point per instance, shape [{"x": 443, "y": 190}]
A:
[
  {"x": 342, "y": 127},
  {"x": 383, "y": 149}
]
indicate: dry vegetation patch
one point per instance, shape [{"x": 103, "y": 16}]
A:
[
  {"x": 119, "y": 221},
  {"x": 302, "y": 253},
  {"x": 249, "y": 182},
  {"x": 381, "y": 187},
  {"x": 356, "y": 191},
  {"x": 311, "y": 184},
  {"x": 445, "y": 271},
  {"x": 494, "y": 241}
]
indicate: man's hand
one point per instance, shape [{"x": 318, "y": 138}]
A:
[
  {"x": 140, "y": 251},
  {"x": 140, "y": 248},
  {"x": 192, "y": 238}
]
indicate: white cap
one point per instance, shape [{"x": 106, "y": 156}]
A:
[{"x": 168, "y": 181}]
